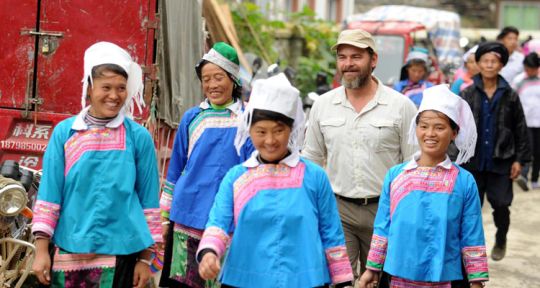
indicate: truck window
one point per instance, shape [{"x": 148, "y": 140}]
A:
[{"x": 390, "y": 50}]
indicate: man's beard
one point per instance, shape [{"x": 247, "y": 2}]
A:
[{"x": 356, "y": 82}]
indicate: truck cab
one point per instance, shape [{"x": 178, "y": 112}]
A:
[{"x": 394, "y": 40}]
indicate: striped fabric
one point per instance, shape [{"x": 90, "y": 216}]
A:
[
  {"x": 45, "y": 217},
  {"x": 338, "y": 264}
]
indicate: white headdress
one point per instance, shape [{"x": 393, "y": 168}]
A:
[
  {"x": 274, "y": 94},
  {"x": 109, "y": 53},
  {"x": 441, "y": 99}
]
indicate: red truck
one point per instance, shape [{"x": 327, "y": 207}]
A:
[
  {"x": 397, "y": 28},
  {"x": 394, "y": 40},
  {"x": 42, "y": 62}
]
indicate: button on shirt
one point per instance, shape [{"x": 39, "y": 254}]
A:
[
  {"x": 488, "y": 116},
  {"x": 357, "y": 149}
]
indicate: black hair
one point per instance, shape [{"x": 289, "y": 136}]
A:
[
  {"x": 98, "y": 70},
  {"x": 532, "y": 60},
  {"x": 260, "y": 115},
  {"x": 453, "y": 125},
  {"x": 507, "y": 30},
  {"x": 371, "y": 53},
  {"x": 237, "y": 89}
]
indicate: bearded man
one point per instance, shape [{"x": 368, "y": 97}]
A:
[{"x": 357, "y": 132}]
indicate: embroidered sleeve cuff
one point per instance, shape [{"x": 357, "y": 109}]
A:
[
  {"x": 165, "y": 201},
  {"x": 153, "y": 219},
  {"x": 377, "y": 253},
  {"x": 476, "y": 265},
  {"x": 215, "y": 239},
  {"x": 338, "y": 264},
  {"x": 45, "y": 217}
]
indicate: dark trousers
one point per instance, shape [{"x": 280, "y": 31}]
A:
[
  {"x": 534, "y": 137},
  {"x": 498, "y": 189}
]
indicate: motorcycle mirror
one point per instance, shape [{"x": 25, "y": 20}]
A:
[{"x": 256, "y": 65}]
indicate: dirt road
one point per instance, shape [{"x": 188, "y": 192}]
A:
[{"x": 521, "y": 266}]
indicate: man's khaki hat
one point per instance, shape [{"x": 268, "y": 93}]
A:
[{"x": 355, "y": 37}]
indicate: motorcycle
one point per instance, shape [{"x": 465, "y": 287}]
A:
[{"x": 18, "y": 189}]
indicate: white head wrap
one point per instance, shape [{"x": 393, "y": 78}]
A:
[
  {"x": 469, "y": 53},
  {"x": 441, "y": 99},
  {"x": 274, "y": 94},
  {"x": 417, "y": 55},
  {"x": 109, "y": 53}
]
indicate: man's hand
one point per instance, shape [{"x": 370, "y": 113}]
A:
[
  {"x": 209, "y": 267},
  {"x": 476, "y": 285},
  {"x": 369, "y": 279},
  {"x": 515, "y": 170}
]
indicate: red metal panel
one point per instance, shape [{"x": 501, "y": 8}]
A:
[
  {"x": 16, "y": 58},
  {"x": 82, "y": 22},
  {"x": 387, "y": 27}
]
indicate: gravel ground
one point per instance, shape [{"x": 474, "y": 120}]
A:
[{"x": 521, "y": 266}]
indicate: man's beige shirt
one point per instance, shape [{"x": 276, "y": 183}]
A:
[{"x": 357, "y": 149}]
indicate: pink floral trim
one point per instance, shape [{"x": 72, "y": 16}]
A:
[
  {"x": 45, "y": 217},
  {"x": 339, "y": 265},
  {"x": 93, "y": 139},
  {"x": 427, "y": 180},
  {"x": 475, "y": 261},
  {"x": 397, "y": 282},
  {"x": 377, "y": 252},
  {"x": 224, "y": 119},
  {"x": 153, "y": 219},
  {"x": 65, "y": 262},
  {"x": 265, "y": 177},
  {"x": 191, "y": 232},
  {"x": 216, "y": 239}
]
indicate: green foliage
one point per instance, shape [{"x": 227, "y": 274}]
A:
[
  {"x": 247, "y": 17},
  {"x": 318, "y": 36}
]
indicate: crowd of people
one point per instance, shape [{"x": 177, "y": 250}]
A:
[{"x": 383, "y": 189}]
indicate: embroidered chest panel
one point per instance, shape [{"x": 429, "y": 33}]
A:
[
  {"x": 93, "y": 139},
  {"x": 209, "y": 118},
  {"x": 265, "y": 177},
  {"x": 425, "y": 179}
]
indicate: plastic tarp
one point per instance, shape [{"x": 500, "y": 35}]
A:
[
  {"x": 179, "y": 48},
  {"x": 443, "y": 27}
]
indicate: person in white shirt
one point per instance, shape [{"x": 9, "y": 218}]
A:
[
  {"x": 358, "y": 131},
  {"x": 509, "y": 38},
  {"x": 527, "y": 85}
]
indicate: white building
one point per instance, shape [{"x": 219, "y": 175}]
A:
[{"x": 333, "y": 10}]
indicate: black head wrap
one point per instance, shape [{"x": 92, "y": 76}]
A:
[
  {"x": 532, "y": 60},
  {"x": 259, "y": 115},
  {"x": 488, "y": 47}
]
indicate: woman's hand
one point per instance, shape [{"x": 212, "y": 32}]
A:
[
  {"x": 369, "y": 279},
  {"x": 141, "y": 275},
  {"x": 164, "y": 232},
  {"x": 477, "y": 285},
  {"x": 209, "y": 267},
  {"x": 42, "y": 262}
]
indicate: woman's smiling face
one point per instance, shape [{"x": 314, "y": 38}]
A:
[
  {"x": 434, "y": 134},
  {"x": 216, "y": 83}
]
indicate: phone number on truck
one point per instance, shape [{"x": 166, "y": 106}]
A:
[{"x": 27, "y": 146}]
